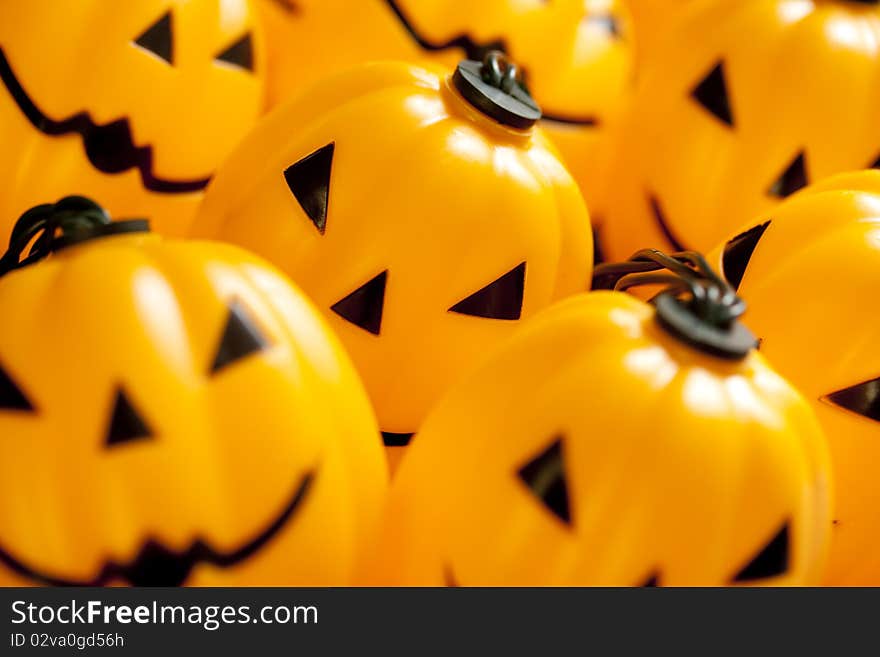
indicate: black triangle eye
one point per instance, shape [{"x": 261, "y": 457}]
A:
[
  {"x": 126, "y": 424},
  {"x": 771, "y": 561},
  {"x": 738, "y": 252},
  {"x": 793, "y": 179},
  {"x": 876, "y": 164},
  {"x": 363, "y": 307},
  {"x": 863, "y": 399},
  {"x": 241, "y": 338},
  {"x": 546, "y": 478},
  {"x": 712, "y": 93},
  {"x": 158, "y": 40},
  {"x": 11, "y": 396},
  {"x": 309, "y": 182},
  {"x": 501, "y": 299},
  {"x": 240, "y": 54}
]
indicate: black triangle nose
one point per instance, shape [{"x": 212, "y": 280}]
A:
[
  {"x": 241, "y": 338},
  {"x": 545, "y": 476},
  {"x": 771, "y": 561},
  {"x": 126, "y": 423},
  {"x": 364, "y": 306}
]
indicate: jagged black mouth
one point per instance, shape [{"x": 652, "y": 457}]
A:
[
  {"x": 156, "y": 565},
  {"x": 109, "y": 147},
  {"x": 477, "y": 51}
]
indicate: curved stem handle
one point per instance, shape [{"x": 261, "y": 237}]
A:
[
  {"x": 697, "y": 304},
  {"x": 47, "y": 228}
]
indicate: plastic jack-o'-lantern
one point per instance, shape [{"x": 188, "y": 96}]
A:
[
  {"x": 743, "y": 104},
  {"x": 134, "y": 103},
  {"x": 577, "y": 54},
  {"x": 612, "y": 443},
  {"x": 424, "y": 216},
  {"x": 809, "y": 270},
  {"x": 173, "y": 413}
]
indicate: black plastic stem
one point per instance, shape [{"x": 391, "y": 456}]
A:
[
  {"x": 697, "y": 305},
  {"x": 48, "y": 228},
  {"x": 495, "y": 88}
]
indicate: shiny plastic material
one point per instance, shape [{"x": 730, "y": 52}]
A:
[
  {"x": 694, "y": 303},
  {"x": 810, "y": 278},
  {"x": 741, "y": 105},
  {"x": 442, "y": 226},
  {"x": 177, "y": 413},
  {"x": 577, "y": 54},
  {"x": 134, "y": 104},
  {"x": 596, "y": 449},
  {"x": 428, "y": 201}
]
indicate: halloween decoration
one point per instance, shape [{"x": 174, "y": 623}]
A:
[
  {"x": 423, "y": 214},
  {"x": 576, "y": 54},
  {"x": 612, "y": 442},
  {"x": 133, "y": 104},
  {"x": 172, "y": 413},
  {"x": 809, "y": 270},
  {"x": 740, "y": 106}
]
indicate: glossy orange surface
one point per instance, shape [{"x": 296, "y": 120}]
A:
[
  {"x": 741, "y": 105},
  {"x": 428, "y": 203},
  {"x": 809, "y": 271},
  {"x": 133, "y": 103},
  {"x": 596, "y": 449},
  {"x": 577, "y": 54},
  {"x": 183, "y": 416}
]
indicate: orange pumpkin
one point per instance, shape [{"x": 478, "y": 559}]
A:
[
  {"x": 423, "y": 213},
  {"x": 610, "y": 442},
  {"x": 173, "y": 413},
  {"x": 809, "y": 270},
  {"x": 132, "y": 102},
  {"x": 741, "y": 105}
]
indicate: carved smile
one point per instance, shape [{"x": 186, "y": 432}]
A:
[
  {"x": 663, "y": 224},
  {"x": 156, "y": 565},
  {"x": 109, "y": 147},
  {"x": 476, "y": 51}
]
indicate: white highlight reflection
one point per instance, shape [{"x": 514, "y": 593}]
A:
[
  {"x": 705, "y": 394},
  {"x": 653, "y": 364},
  {"x": 792, "y": 12},
  {"x": 160, "y": 315}
]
